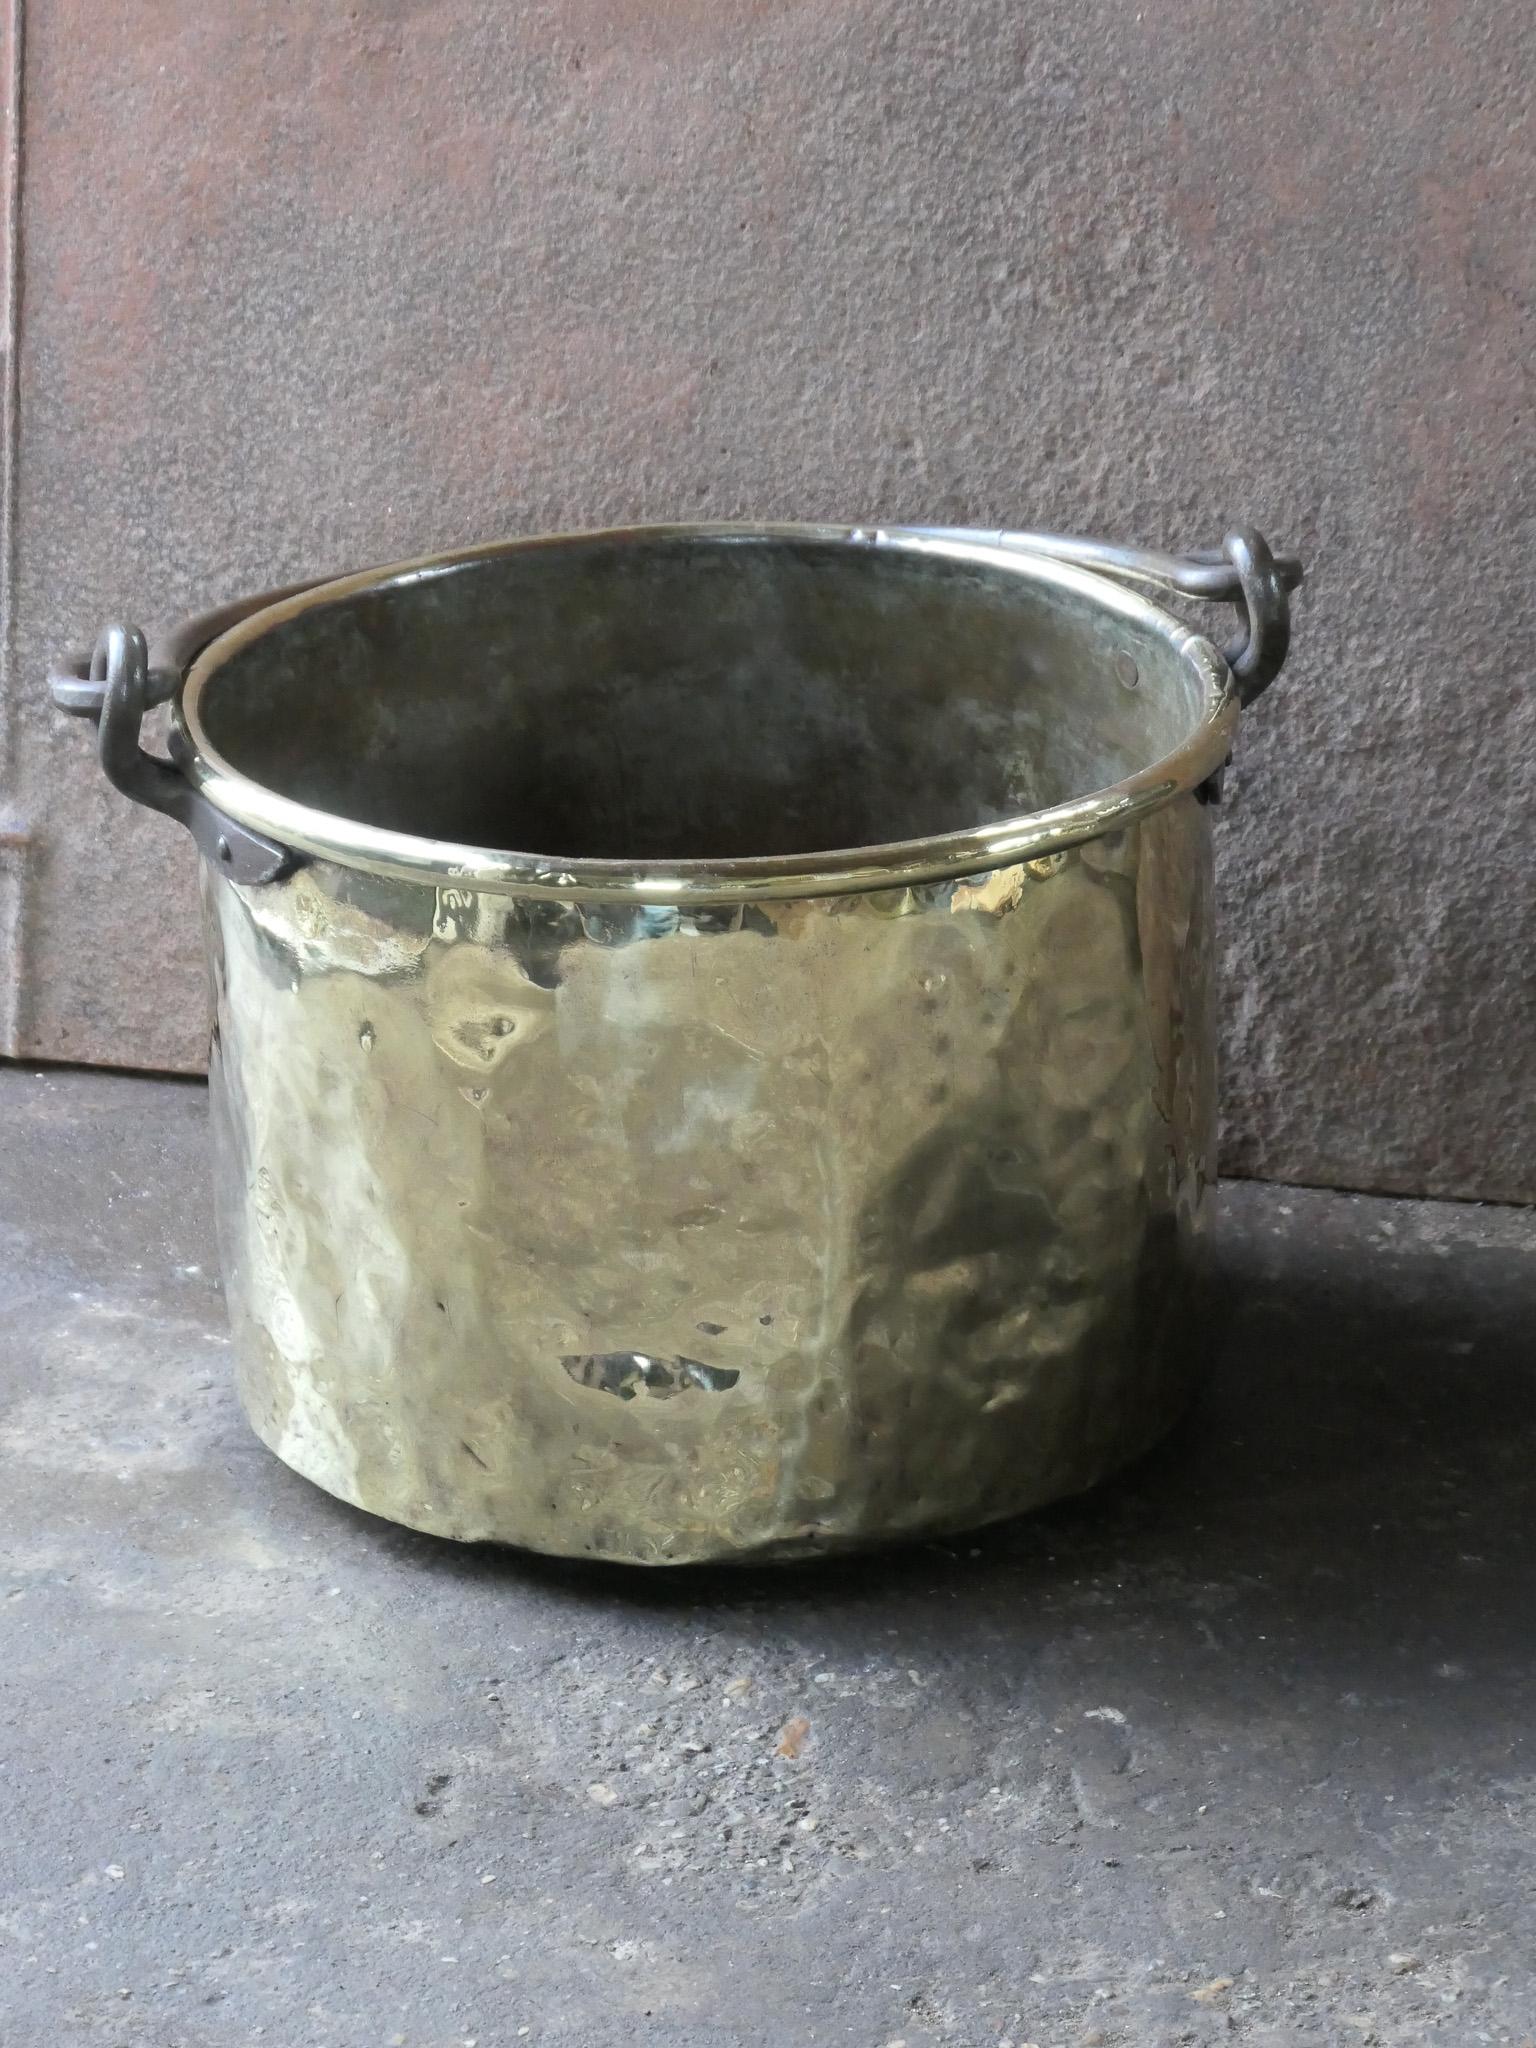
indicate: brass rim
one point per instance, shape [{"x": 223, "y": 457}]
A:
[{"x": 1031, "y": 835}]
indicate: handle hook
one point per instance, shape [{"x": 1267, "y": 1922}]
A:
[{"x": 117, "y": 690}]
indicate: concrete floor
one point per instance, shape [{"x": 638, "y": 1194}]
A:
[{"x": 1239, "y": 1749}]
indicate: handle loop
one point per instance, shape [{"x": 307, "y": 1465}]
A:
[
  {"x": 119, "y": 689},
  {"x": 1242, "y": 572}
]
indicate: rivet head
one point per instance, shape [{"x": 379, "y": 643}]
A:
[{"x": 1127, "y": 674}]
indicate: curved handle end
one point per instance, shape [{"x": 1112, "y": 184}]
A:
[
  {"x": 1258, "y": 653},
  {"x": 117, "y": 687},
  {"x": 1243, "y": 571}
]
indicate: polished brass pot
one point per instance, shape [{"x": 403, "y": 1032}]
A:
[{"x": 809, "y": 1142}]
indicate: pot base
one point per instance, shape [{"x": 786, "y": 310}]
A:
[{"x": 723, "y": 1548}]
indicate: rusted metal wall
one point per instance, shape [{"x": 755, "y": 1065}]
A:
[{"x": 307, "y": 287}]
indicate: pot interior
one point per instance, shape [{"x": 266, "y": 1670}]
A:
[{"x": 669, "y": 695}]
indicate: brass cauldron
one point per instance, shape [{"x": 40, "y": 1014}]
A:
[{"x": 810, "y": 1140}]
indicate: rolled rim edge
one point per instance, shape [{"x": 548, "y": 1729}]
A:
[{"x": 951, "y": 856}]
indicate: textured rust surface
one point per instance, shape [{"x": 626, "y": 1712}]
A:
[{"x": 312, "y": 288}]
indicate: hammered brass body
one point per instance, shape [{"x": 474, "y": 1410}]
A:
[
  {"x": 664, "y": 1232},
  {"x": 920, "y": 1183}
]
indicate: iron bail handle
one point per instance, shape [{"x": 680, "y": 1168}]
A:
[
  {"x": 117, "y": 689},
  {"x": 1243, "y": 572},
  {"x": 77, "y": 683}
]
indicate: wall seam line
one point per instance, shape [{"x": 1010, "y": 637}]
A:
[{"x": 16, "y": 850}]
